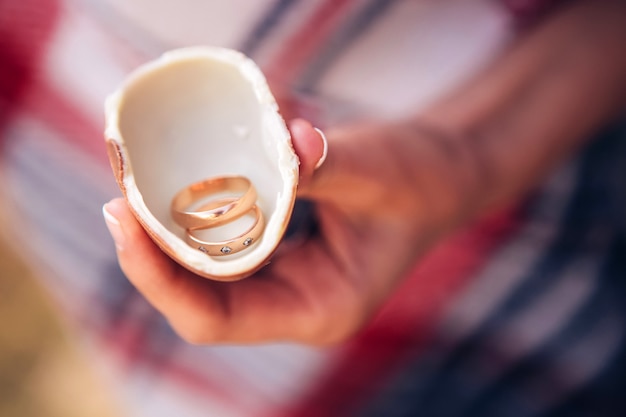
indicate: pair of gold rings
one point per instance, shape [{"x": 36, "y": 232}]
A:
[{"x": 217, "y": 211}]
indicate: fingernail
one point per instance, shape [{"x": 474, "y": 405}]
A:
[
  {"x": 115, "y": 228},
  {"x": 325, "y": 152}
]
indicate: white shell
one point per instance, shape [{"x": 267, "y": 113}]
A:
[{"x": 192, "y": 114}]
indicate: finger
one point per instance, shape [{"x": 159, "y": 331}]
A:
[
  {"x": 138, "y": 256},
  {"x": 190, "y": 303},
  {"x": 310, "y": 146},
  {"x": 354, "y": 154},
  {"x": 320, "y": 173}
]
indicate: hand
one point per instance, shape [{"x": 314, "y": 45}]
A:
[
  {"x": 382, "y": 196},
  {"x": 387, "y": 191}
]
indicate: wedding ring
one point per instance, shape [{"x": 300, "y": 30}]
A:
[
  {"x": 230, "y": 246},
  {"x": 232, "y": 208}
]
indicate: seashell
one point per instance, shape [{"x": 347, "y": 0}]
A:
[{"x": 192, "y": 114}]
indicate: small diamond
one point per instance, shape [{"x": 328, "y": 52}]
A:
[
  {"x": 247, "y": 242},
  {"x": 202, "y": 249},
  {"x": 226, "y": 249}
]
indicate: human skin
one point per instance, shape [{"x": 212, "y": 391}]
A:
[{"x": 389, "y": 190}]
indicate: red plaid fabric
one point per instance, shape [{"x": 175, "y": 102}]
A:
[{"x": 60, "y": 59}]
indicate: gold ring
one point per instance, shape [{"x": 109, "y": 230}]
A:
[
  {"x": 215, "y": 215},
  {"x": 234, "y": 245}
]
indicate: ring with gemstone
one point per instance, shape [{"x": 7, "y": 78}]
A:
[
  {"x": 233, "y": 245},
  {"x": 182, "y": 204}
]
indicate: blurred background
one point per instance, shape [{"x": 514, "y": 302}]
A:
[
  {"x": 77, "y": 340},
  {"x": 40, "y": 365}
]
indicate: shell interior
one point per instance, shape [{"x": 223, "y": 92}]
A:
[{"x": 192, "y": 114}]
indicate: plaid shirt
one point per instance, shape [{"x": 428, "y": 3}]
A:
[{"x": 520, "y": 314}]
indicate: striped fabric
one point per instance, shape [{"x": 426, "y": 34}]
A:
[{"x": 520, "y": 314}]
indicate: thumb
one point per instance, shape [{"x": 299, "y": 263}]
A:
[
  {"x": 311, "y": 147},
  {"x": 317, "y": 165},
  {"x": 328, "y": 168}
]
